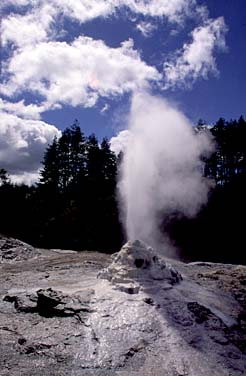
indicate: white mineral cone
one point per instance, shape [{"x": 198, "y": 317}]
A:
[{"x": 135, "y": 262}]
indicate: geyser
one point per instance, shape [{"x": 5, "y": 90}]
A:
[{"x": 161, "y": 170}]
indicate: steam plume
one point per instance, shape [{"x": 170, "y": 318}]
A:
[{"x": 161, "y": 170}]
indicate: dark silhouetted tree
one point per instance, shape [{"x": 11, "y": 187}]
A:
[
  {"x": 50, "y": 174},
  {"x": 77, "y": 153},
  {"x": 4, "y": 177},
  {"x": 109, "y": 161}
]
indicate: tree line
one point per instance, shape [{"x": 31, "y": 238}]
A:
[
  {"x": 74, "y": 204},
  {"x": 229, "y": 158}
]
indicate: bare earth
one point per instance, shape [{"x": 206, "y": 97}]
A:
[{"x": 58, "y": 318}]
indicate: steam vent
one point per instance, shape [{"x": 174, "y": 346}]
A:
[{"x": 135, "y": 264}]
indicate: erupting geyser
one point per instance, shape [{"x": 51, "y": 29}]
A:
[{"x": 161, "y": 170}]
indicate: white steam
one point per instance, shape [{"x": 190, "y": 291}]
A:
[{"x": 162, "y": 169}]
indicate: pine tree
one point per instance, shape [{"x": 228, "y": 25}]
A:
[
  {"x": 64, "y": 152},
  {"x": 50, "y": 174},
  {"x": 77, "y": 153},
  {"x": 109, "y": 164},
  {"x": 93, "y": 159},
  {"x": 4, "y": 177}
]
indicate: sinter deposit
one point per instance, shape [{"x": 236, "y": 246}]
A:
[
  {"x": 137, "y": 263},
  {"x": 138, "y": 318}
]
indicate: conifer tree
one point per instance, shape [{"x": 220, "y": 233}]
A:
[
  {"x": 108, "y": 162},
  {"x": 64, "y": 153},
  {"x": 93, "y": 159},
  {"x": 77, "y": 153},
  {"x": 4, "y": 177},
  {"x": 50, "y": 174}
]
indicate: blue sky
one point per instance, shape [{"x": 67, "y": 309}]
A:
[{"x": 83, "y": 59}]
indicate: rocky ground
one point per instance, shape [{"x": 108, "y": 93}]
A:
[{"x": 69, "y": 313}]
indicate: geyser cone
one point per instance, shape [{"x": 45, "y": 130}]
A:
[{"x": 138, "y": 262}]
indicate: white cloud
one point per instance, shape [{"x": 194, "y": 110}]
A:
[
  {"x": 119, "y": 143},
  {"x": 173, "y": 10},
  {"x": 28, "y": 178},
  {"x": 17, "y": 3},
  {"x": 146, "y": 28},
  {"x": 197, "y": 58},
  {"x": 104, "y": 109},
  {"x": 27, "y": 29},
  {"x": 86, "y": 10},
  {"x": 22, "y": 144},
  {"x": 77, "y": 73},
  {"x": 31, "y": 111}
]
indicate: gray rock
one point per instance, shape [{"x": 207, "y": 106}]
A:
[
  {"x": 12, "y": 250},
  {"x": 130, "y": 323}
]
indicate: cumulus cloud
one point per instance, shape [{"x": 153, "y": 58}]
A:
[
  {"x": 196, "y": 59},
  {"x": 77, "y": 73},
  {"x": 22, "y": 144},
  {"x": 27, "y": 29},
  {"x": 86, "y": 10},
  {"x": 28, "y": 178},
  {"x": 30, "y": 111},
  {"x": 119, "y": 143},
  {"x": 17, "y": 3},
  {"x": 174, "y": 11},
  {"x": 146, "y": 28}
]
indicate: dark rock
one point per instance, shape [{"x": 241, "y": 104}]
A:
[
  {"x": 149, "y": 301},
  {"x": 200, "y": 312},
  {"x": 237, "y": 336},
  {"x": 21, "y": 341},
  {"x": 47, "y": 300},
  {"x": 22, "y": 303},
  {"x": 50, "y": 303}
]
